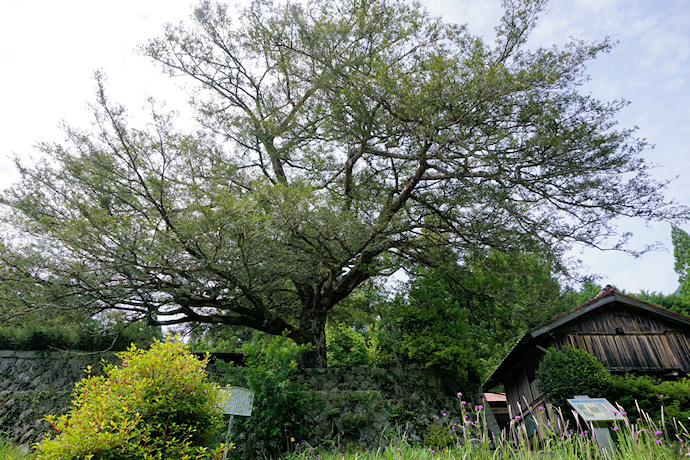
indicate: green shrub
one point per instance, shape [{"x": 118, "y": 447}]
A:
[
  {"x": 566, "y": 373},
  {"x": 439, "y": 436},
  {"x": 87, "y": 336},
  {"x": 649, "y": 394},
  {"x": 280, "y": 402},
  {"x": 157, "y": 405},
  {"x": 345, "y": 346},
  {"x": 432, "y": 330}
]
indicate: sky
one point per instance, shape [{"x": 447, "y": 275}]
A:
[{"x": 50, "y": 49}]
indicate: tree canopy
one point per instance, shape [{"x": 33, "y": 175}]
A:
[{"x": 339, "y": 141}]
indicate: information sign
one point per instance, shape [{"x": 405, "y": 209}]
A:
[
  {"x": 237, "y": 401},
  {"x": 595, "y": 409}
]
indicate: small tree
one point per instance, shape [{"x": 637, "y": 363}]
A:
[
  {"x": 681, "y": 253},
  {"x": 157, "y": 405},
  {"x": 566, "y": 373}
]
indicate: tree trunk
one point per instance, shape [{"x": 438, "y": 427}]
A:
[{"x": 312, "y": 331}]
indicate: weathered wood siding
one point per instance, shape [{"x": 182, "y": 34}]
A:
[
  {"x": 624, "y": 334},
  {"x": 611, "y": 317},
  {"x": 624, "y": 340},
  {"x": 521, "y": 393}
]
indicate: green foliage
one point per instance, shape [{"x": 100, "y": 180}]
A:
[
  {"x": 219, "y": 338},
  {"x": 433, "y": 332},
  {"x": 88, "y": 336},
  {"x": 398, "y": 414},
  {"x": 464, "y": 318},
  {"x": 341, "y": 141},
  {"x": 280, "y": 403},
  {"x": 566, "y": 373},
  {"x": 587, "y": 292},
  {"x": 346, "y": 346},
  {"x": 352, "y": 424},
  {"x": 440, "y": 436},
  {"x": 649, "y": 394},
  {"x": 681, "y": 253},
  {"x": 157, "y": 404},
  {"x": 11, "y": 452},
  {"x": 674, "y": 302}
]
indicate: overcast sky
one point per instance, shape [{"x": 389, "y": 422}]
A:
[{"x": 49, "y": 50}]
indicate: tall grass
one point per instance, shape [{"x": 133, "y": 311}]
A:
[
  {"x": 638, "y": 437},
  {"x": 551, "y": 437},
  {"x": 12, "y": 452}
]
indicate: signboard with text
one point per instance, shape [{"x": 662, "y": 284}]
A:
[
  {"x": 595, "y": 409},
  {"x": 237, "y": 401}
]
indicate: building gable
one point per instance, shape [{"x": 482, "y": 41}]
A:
[{"x": 624, "y": 333}]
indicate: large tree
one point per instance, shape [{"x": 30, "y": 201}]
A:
[{"x": 341, "y": 138}]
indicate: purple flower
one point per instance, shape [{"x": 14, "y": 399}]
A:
[
  {"x": 480, "y": 407},
  {"x": 459, "y": 394},
  {"x": 462, "y": 403},
  {"x": 517, "y": 417},
  {"x": 658, "y": 441},
  {"x": 452, "y": 427},
  {"x": 444, "y": 414},
  {"x": 541, "y": 408},
  {"x": 658, "y": 432},
  {"x": 615, "y": 428}
]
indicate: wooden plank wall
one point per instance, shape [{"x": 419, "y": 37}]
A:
[
  {"x": 520, "y": 392},
  {"x": 625, "y": 340},
  {"x": 622, "y": 339},
  {"x": 607, "y": 320}
]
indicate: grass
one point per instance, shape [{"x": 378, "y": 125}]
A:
[
  {"x": 641, "y": 438},
  {"x": 12, "y": 452}
]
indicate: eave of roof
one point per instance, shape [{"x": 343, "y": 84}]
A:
[{"x": 606, "y": 296}]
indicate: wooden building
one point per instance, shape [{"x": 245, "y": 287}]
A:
[{"x": 627, "y": 335}]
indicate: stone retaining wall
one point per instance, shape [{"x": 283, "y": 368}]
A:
[
  {"x": 34, "y": 384},
  {"x": 358, "y": 403}
]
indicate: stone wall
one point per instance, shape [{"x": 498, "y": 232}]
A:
[
  {"x": 368, "y": 405},
  {"x": 34, "y": 384},
  {"x": 360, "y": 404}
]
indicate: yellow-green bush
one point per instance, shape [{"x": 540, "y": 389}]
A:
[{"x": 158, "y": 404}]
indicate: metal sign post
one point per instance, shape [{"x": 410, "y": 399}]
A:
[
  {"x": 235, "y": 401},
  {"x": 598, "y": 412}
]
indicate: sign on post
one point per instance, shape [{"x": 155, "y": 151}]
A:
[
  {"x": 595, "y": 409},
  {"x": 598, "y": 412},
  {"x": 235, "y": 401}
]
